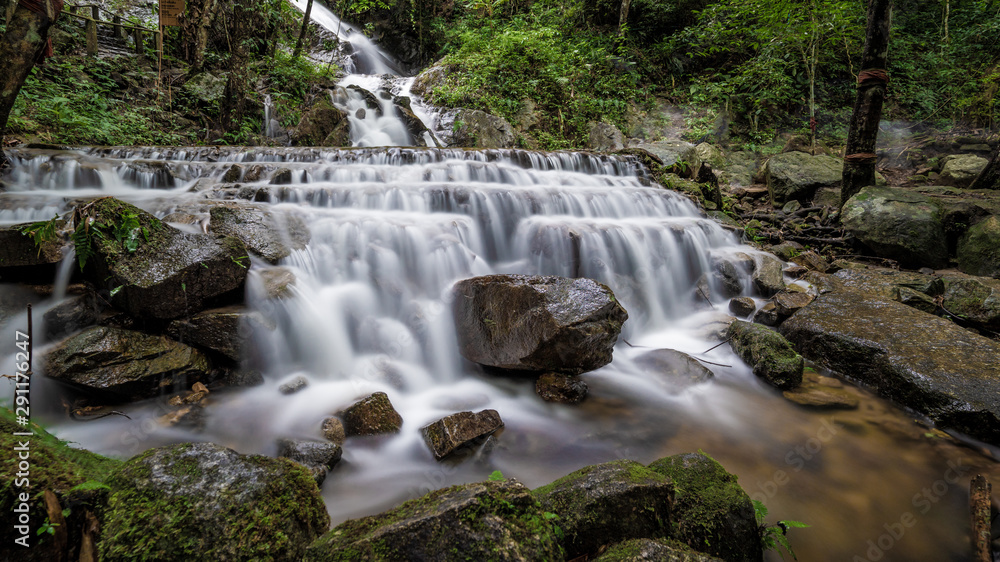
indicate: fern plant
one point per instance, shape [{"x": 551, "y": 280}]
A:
[{"x": 772, "y": 537}]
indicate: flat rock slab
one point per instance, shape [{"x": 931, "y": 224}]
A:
[
  {"x": 451, "y": 433},
  {"x": 923, "y": 362}
]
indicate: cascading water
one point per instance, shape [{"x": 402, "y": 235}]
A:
[{"x": 369, "y": 310}]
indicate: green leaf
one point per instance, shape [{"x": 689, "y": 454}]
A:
[{"x": 496, "y": 476}]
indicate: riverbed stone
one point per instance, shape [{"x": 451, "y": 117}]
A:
[
  {"x": 898, "y": 224},
  {"x": 961, "y": 169},
  {"x": 675, "y": 368},
  {"x": 710, "y": 511},
  {"x": 767, "y": 275},
  {"x": 924, "y": 362},
  {"x": 606, "y": 503},
  {"x": 787, "y": 303},
  {"x": 19, "y": 250},
  {"x": 604, "y": 137},
  {"x": 372, "y": 415},
  {"x": 498, "y": 521},
  {"x": 267, "y": 234},
  {"x": 678, "y": 156},
  {"x": 333, "y": 430},
  {"x": 463, "y": 429},
  {"x": 770, "y": 354},
  {"x": 317, "y": 457},
  {"x": 72, "y": 315},
  {"x": 977, "y": 300},
  {"x": 979, "y": 249},
  {"x": 201, "y": 501},
  {"x": 171, "y": 273},
  {"x": 742, "y": 306},
  {"x": 560, "y": 387},
  {"x": 322, "y": 125},
  {"x": 225, "y": 330},
  {"x": 295, "y": 385},
  {"x": 537, "y": 323},
  {"x": 650, "y": 550},
  {"x": 124, "y": 365},
  {"x": 797, "y": 175}
]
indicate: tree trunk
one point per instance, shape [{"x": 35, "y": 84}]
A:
[
  {"x": 623, "y": 17},
  {"x": 989, "y": 178},
  {"x": 305, "y": 29},
  {"x": 859, "y": 163},
  {"x": 195, "y": 25},
  {"x": 23, "y": 43},
  {"x": 247, "y": 18}
]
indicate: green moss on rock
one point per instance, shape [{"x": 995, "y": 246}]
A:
[
  {"x": 642, "y": 550},
  {"x": 979, "y": 249},
  {"x": 770, "y": 354}
]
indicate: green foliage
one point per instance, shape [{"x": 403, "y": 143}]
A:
[
  {"x": 496, "y": 476},
  {"x": 773, "y": 536},
  {"x": 41, "y": 232}
]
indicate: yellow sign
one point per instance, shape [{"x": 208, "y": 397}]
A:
[{"x": 170, "y": 12}]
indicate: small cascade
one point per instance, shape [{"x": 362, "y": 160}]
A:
[
  {"x": 374, "y": 120},
  {"x": 272, "y": 127}
]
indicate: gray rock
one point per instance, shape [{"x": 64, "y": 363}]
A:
[
  {"x": 224, "y": 330},
  {"x": 771, "y": 355},
  {"x": 200, "y": 501},
  {"x": 797, "y": 176},
  {"x": 678, "y": 155},
  {"x": 742, "y": 306},
  {"x": 537, "y": 323},
  {"x": 464, "y": 429},
  {"x": 649, "y": 550},
  {"x": 679, "y": 370},
  {"x": 263, "y": 232},
  {"x": 322, "y": 125},
  {"x": 789, "y": 302},
  {"x": 472, "y": 128},
  {"x": 604, "y": 137},
  {"x": 767, "y": 275},
  {"x": 72, "y": 315},
  {"x": 294, "y": 385},
  {"x": 898, "y": 224},
  {"x": 960, "y": 170},
  {"x": 317, "y": 456},
  {"x": 206, "y": 87},
  {"x": 122, "y": 365},
  {"x": 977, "y": 300},
  {"x": 19, "y": 250},
  {"x": 562, "y": 388},
  {"x": 767, "y": 315},
  {"x": 979, "y": 249},
  {"x": 425, "y": 82},
  {"x": 372, "y": 415},
  {"x": 333, "y": 430}
]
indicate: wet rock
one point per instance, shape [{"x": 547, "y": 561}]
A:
[
  {"x": 206, "y": 87},
  {"x": 254, "y": 173},
  {"x": 537, "y": 323},
  {"x": 811, "y": 260},
  {"x": 975, "y": 300},
  {"x": 767, "y": 315},
  {"x": 742, "y": 306},
  {"x": 979, "y": 249},
  {"x": 767, "y": 275},
  {"x": 472, "y": 128},
  {"x": 498, "y": 521},
  {"x": 197, "y": 394},
  {"x": 562, "y": 388},
  {"x": 333, "y": 430},
  {"x": 372, "y": 415},
  {"x": 815, "y": 395},
  {"x": 604, "y": 137},
  {"x": 269, "y": 235},
  {"x": 924, "y": 362},
  {"x": 123, "y": 365},
  {"x": 961, "y": 169},
  {"x": 679, "y": 370},
  {"x": 785, "y": 250},
  {"x": 649, "y": 550},
  {"x": 796, "y": 271},
  {"x": 789, "y": 302},
  {"x": 19, "y": 250},
  {"x": 171, "y": 273},
  {"x": 414, "y": 126},
  {"x": 607, "y": 503},
  {"x": 797, "y": 176},
  {"x": 318, "y": 457},
  {"x": 710, "y": 512},
  {"x": 225, "y": 330},
  {"x": 294, "y": 385},
  {"x": 464, "y": 429},
  {"x": 322, "y": 125},
  {"x": 425, "y": 82},
  {"x": 277, "y": 282},
  {"x": 728, "y": 278},
  {"x": 199, "y": 501},
  {"x": 72, "y": 315},
  {"x": 190, "y": 416},
  {"x": 888, "y": 283},
  {"x": 281, "y": 176},
  {"x": 898, "y": 224},
  {"x": 770, "y": 354},
  {"x": 917, "y": 300},
  {"x": 233, "y": 174}
]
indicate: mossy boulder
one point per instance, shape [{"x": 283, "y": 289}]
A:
[
  {"x": 323, "y": 125},
  {"x": 959, "y": 170},
  {"x": 888, "y": 283},
  {"x": 677, "y": 156},
  {"x": 170, "y": 273},
  {"x": 73, "y": 475},
  {"x": 125, "y": 365},
  {"x": 795, "y": 176},
  {"x": 898, "y": 224},
  {"x": 372, "y": 415},
  {"x": 711, "y": 512},
  {"x": 18, "y": 250},
  {"x": 606, "y": 503},
  {"x": 201, "y": 501},
  {"x": 498, "y": 521},
  {"x": 977, "y": 300},
  {"x": 472, "y": 128},
  {"x": 770, "y": 354},
  {"x": 979, "y": 249},
  {"x": 267, "y": 234},
  {"x": 926, "y": 363},
  {"x": 649, "y": 550},
  {"x": 537, "y": 323}
]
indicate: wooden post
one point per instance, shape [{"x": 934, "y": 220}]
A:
[
  {"x": 137, "y": 35},
  {"x": 980, "y": 492},
  {"x": 95, "y": 12},
  {"x": 91, "y": 26},
  {"x": 119, "y": 30},
  {"x": 157, "y": 40}
]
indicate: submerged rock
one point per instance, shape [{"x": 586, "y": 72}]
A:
[
  {"x": 607, "y": 503},
  {"x": 560, "y": 387},
  {"x": 464, "y": 429},
  {"x": 677, "y": 369},
  {"x": 318, "y": 457},
  {"x": 267, "y": 234},
  {"x": 372, "y": 415},
  {"x": 898, "y": 224},
  {"x": 123, "y": 365},
  {"x": 924, "y": 362},
  {"x": 771, "y": 356},
  {"x": 498, "y": 521},
  {"x": 200, "y": 501},
  {"x": 537, "y": 323}
]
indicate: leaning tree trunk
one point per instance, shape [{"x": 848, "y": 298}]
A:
[
  {"x": 989, "y": 178},
  {"x": 303, "y": 31},
  {"x": 859, "y": 163},
  {"x": 623, "y": 17},
  {"x": 23, "y": 43}
]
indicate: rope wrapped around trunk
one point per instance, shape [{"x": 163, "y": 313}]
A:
[{"x": 873, "y": 75}]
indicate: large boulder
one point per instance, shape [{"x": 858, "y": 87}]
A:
[
  {"x": 269, "y": 235},
  {"x": 201, "y": 501},
  {"x": 962, "y": 169},
  {"x": 607, "y": 503},
  {"x": 924, "y": 362},
  {"x": 711, "y": 512},
  {"x": 224, "y": 330},
  {"x": 498, "y": 521},
  {"x": 898, "y": 224},
  {"x": 414, "y": 126},
  {"x": 979, "y": 249},
  {"x": 537, "y": 323},
  {"x": 169, "y": 273},
  {"x": 323, "y": 125},
  {"x": 977, "y": 300},
  {"x": 679, "y": 156},
  {"x": 473, "y": 128},
  {"x": 604, "y": 136},
  {"x": 767, "y": 275},
  {"x": 797, "y": 175},
  {"x": 123, "y": 365},
  {"x": 770, "y": 355}
]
